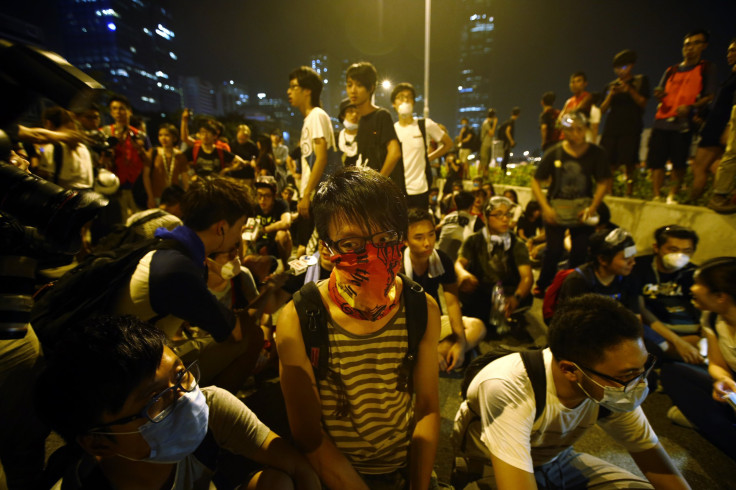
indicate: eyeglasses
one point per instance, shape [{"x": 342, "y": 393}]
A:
[
  {"x": 263, "y": 195},
  {"x": 501, "y": 215},
  {"x": 357, "y": 243},
  {"x": 161, "y": 405},
  {"x": 631, "y": 383}
]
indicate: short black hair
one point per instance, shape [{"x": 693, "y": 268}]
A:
[
  {"x": 718, "y": 275},
  {"x": 663, "y": 233},
  {"x": 119, "y": 98},
  {"x": 94, "y": 368},
  {"x": 419, "y": 214},
  {"x": 625, "y": 57},
  {"x": 57, "y": 116},
  {"x": 583, "y": 327},
  {"x": 172, "y": 195},
  {"x": 548, "y": 98},
  {"x": 601, "y": 250},
  {"x": 580, "y": 74},
  {"x": 400, "y": 87},
  {"x": 173, "y": 130},
  {"x": 515, "y": 200},
  {"x": 531, "y": 208},
  {"x": 491, "y": 112},
  {"x": 309, "y": 79},
  {"x": 516, "y": 111},
  {"x": 212, "y": 199},
  {"x": 695, "y": 32},
  {"x": 463, "y": 200},
  {"x": 364, "y": 73},
  {"x": 361, "y": 196},
  {"x": 210, "y": 125}
]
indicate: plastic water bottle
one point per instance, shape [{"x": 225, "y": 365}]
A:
[{"x": 498, "y": 307}]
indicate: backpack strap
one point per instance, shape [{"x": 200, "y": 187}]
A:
[
  {"x": 534, "y": 364},
  {"x": 422, "y": 123},
  {"x": 195, "y": 151},
  {"x": 415, "y": 308},
  {"x": 313, "y": 322}
]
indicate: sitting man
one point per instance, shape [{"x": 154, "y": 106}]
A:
[
  {"x": 430, "y": 268},
  {"x": 665, "y": 301},
  {"x": 169, "y": 287},
  {"x": 138, "y": 413},
  {"x": 352, "y": 411},
  {"x": 594, "y": 372},
  {"x": 275, "y": 219},
  {"x": 457, "y": 225},
  {"x": 491, "y": 256},
  {"x": 608, "y": 270}
]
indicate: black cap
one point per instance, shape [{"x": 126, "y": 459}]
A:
[
  {"x": 343, "y": 107},
  {"x": 625, "y": 57}
]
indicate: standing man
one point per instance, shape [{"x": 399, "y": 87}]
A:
[
  {"x": 580, "y": 174},
  {"x": 130, "y": 157},
  {"x": 506, "y": 134},
  {"x": 548, "y": 121},
  {"x": 378, "y": 145},
  {"x": 414, "y": 135},
  {"x": 581, "y": 99},
  {"x": 626, "y": 97},
  {"x": 349, "y": 403},
  {"x": 684, "y": 93},
  {"x": 711, "y": 144},
  {"x": 488, "y": 132}
]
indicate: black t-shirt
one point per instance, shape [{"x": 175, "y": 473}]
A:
[
  {"x": 552, "y": 135},
  {"x": 247, "y": 151},
  {"x": 501, "y": 133},
  {"x": 295, "y": 283},
  {"x": 574, "y": 177},
  {"x": 375, "y": 131},
  {"x": 432, "y": 284},
  {"x": 208, "y": 163},
  {"x": 625, "y": 115},
  {"x": 279, "y": 207},
  {"x": 623, "y": 288},
  {"x": 667, "y": 295},
  {"x": 531, "y": 228},
  {"x": 267, "y": 163}
]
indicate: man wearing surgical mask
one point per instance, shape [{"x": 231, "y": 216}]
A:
[
  {"x": 141, "y": 420},
  {"x": 414, "y": 135},
  {"x": 346, "y": 140},
  {"x": 672, "y": 322},
  {"x": 594, "y": 373}
]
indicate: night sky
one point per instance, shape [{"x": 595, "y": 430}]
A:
[{"x": 537, "y": 43}]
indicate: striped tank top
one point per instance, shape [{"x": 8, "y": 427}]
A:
[{"x": 368, "y": 419}]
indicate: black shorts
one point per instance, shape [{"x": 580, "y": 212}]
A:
[
  {"x": 668, "y": 145},
  {"x": 710, "y": 135},
  {"x": 622, "y": 149},
  {"x": 267, "y": 246}
]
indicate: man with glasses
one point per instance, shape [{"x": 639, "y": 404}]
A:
[
  {"x": 684, "y": 93},
  {"x": 357, "y": 423},
  {"x": 139, "y": 415},
  {"x": 491, "y": 256},
  {"x": 595, "y": 373}
]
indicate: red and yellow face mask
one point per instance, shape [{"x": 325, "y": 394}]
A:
[{"x": 367, "y": 278}]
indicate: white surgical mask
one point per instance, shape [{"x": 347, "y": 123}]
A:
[
  {"x": 230, "y": 269},
  {"x": 405, "y": 109},
  {"x": 675, "y": 261},
  {"x": 350, "y": 126},
  {"x": 616, "y": 399}
]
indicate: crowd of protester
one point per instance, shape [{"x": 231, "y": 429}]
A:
[{"x": 359, "y": 230}]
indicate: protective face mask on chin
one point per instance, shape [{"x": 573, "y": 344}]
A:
[
  {"x": 230, "y": 269},
  {"x": 350, "y": 126},
  {"x": 675, "y": 261},
  {"x": 405, "y": 109}
]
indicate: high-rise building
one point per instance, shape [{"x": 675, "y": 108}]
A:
[
  {"x": 332, "y": 83},
  {"x": 476, "y": 44},
  {"x": 198, "y": 95},
  {"x": 128, "y": 45},
  {"x": 231, "y": 97}
]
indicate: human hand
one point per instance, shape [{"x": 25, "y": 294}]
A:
[
  {"x": 511, "y": 304},
  {"x": 722, "y": 388},
  {"x": 468, "y": 283},
  {"x": 18, "y": 161},
  {"x": 688, "y": 352},
  {"x": 185, "y": 114},
  {"x": 151, "y": 202},
  {"x": 455, "y": 356},
  {"x": 549, "y": 215}
]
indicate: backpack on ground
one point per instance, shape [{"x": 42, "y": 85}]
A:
[
  {"x": 90, "y": 288},
  {"x": 313, "y": 321},
  {"x": 553, "y": 291}
]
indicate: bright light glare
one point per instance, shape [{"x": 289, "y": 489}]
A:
[
  {"x": 386, "y": 84},
  {"x": 526, "y": 153},
  {"x": 111, "y": 26}
]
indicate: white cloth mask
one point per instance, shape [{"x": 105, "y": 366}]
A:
[{"x": 675, "y": 261}]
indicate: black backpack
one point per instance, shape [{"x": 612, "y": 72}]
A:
[
  {"x": 90, "y": 288},
  {"x": 313, "y": 321}
]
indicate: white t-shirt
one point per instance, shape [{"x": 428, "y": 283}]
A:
[
  {"x": 316, "y": 125},
  {"x": 414, "y": 152},
  {"x": 502, "y": 394},
  {"x": 76, "y": 167},
  {"x": 726, "y": 342}
]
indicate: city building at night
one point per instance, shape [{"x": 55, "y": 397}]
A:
[{"x": 129, "y": 46}]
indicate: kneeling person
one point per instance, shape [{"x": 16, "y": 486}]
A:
[
  {"x": 139, "y": 415},
  {"x": 595, "y": 372}
]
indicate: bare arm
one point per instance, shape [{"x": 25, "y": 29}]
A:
[
  {"x": 549, "y": 214},
  {"x": 467, "y": 282},
  {"x": 659, "y": 469},
  {"x": 445, "y": 146},
  {"x": 278, "y": 453},
  {"x": 510, "y": 477},
  {"x": 456, "y": 355},
  {"x": 510, "y": 138},
  {"x": 426, "y": 434},
  {"x": 185, "y": 128},
  {"x": 522, "y": 290},
  {"x": 687, "y": 351},
  {"x": 543, "y": 131},
  {"x": 319, "y": 147},
  {"x": 283, "y": 224},
  {"x": 392, "y": 157},
  {"x": 723, "y": 381},
  {"x": 303, "y": 407}
]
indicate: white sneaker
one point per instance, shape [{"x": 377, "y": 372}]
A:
[
  {"x": 678, "y": 418},
  {"x": 671, "y": 200}
]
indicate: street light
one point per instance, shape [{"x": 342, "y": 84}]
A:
[{"x": 386, "y": 84}]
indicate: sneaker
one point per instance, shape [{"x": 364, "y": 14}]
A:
[
  {"x": 671, "y": 199},
  {"x": 678, "y": 418},
  {"x": 721, "y": 203}
]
